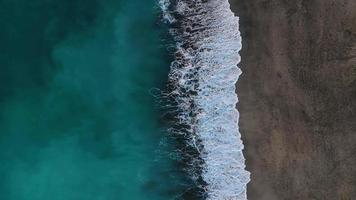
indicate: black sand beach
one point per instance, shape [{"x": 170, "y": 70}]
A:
[{"x": 298, "y": 98}]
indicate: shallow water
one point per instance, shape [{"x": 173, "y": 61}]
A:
[{"x": 77, "y": 120}]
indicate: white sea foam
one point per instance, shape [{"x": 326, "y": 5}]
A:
[
  {"x": 204, "y": 75},
  {"x": 164, "y": 4}
]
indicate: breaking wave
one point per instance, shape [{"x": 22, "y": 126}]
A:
[{"x": 202, "y": 86}]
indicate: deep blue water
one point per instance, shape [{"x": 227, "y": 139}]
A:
[{"x": 77, "y": 121}]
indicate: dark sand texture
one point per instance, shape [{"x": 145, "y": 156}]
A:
[{"x": 298, "y": 98}]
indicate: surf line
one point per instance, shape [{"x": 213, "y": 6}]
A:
[{"x": 202, "y": 80}]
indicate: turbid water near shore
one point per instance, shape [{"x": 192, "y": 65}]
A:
[{"x": 298, "y": 98}]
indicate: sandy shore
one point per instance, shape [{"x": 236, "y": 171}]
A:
[{"x": 298, "y": 98}]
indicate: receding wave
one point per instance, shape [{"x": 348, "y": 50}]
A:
[{"x": 202, "y": 85}]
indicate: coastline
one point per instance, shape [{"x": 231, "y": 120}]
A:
[{"x": 297, "y": 99}]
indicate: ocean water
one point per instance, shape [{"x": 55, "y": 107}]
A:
[
  {"x": 77, "y": 118},
  {"x": 97, "y": 101}
]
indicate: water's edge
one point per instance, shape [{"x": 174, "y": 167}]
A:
[{"x": 202, "y": 84}]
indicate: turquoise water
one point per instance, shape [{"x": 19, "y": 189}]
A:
[{"x": 77, "y": 121}]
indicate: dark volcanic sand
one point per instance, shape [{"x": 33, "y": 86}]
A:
[{"x": 298, "y": 98}]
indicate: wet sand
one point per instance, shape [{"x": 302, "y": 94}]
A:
[{"x": 298, "y": 98}]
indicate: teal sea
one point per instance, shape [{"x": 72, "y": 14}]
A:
[{"x": 77, "y": 120}]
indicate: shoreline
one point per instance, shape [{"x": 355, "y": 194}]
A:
[{"x": 297, "y": 99}]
